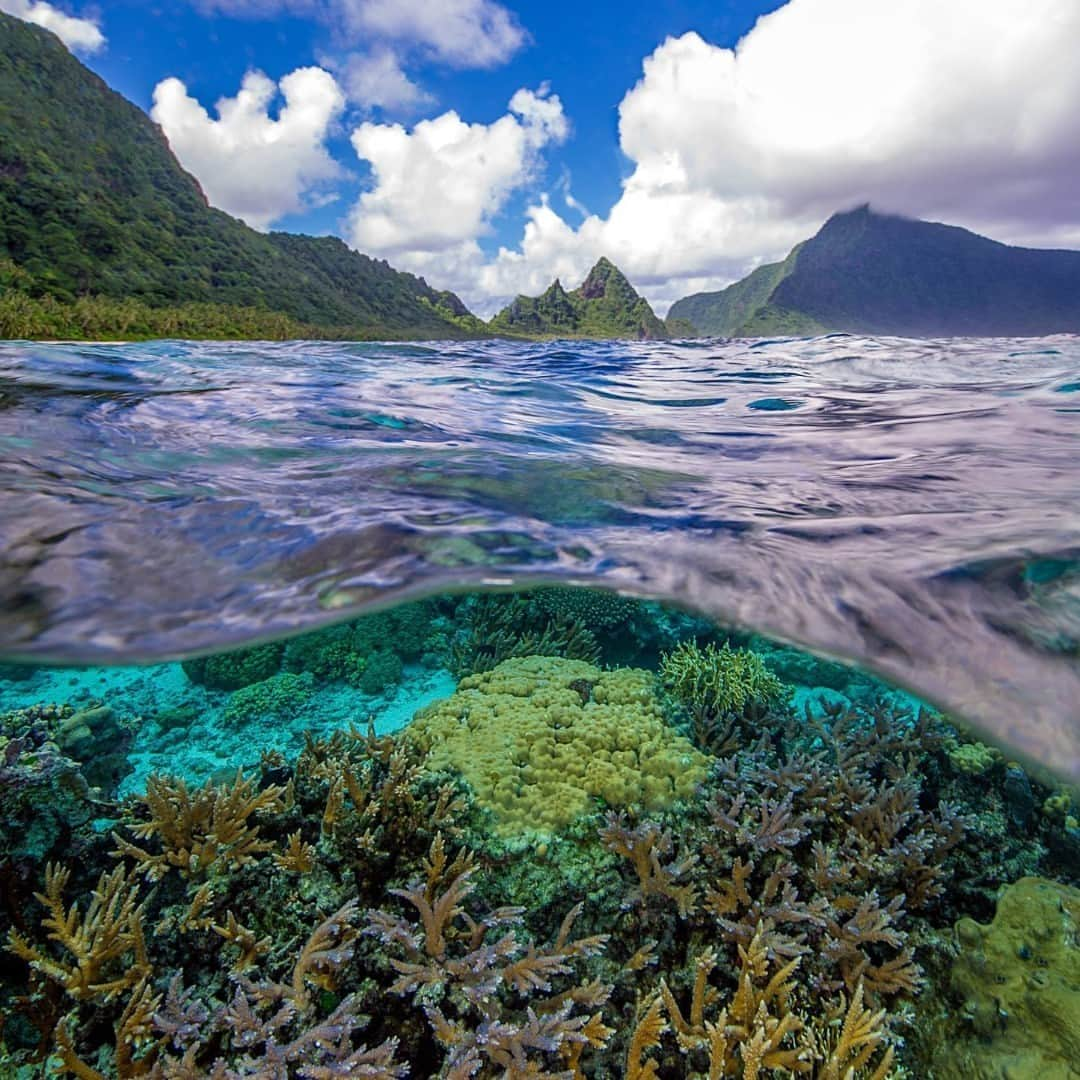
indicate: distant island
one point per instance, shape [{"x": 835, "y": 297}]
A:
[
  {"x": 103, "y": 235},
  {"x": 870, "y": 273},
  {"x": 605, "y": 306}
]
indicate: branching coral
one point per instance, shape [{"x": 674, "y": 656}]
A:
[
  {"x": 759, "y": 1030},
  {"x": 271, "y": 1028},
  {"x": 498, "y": 628},
  {"x": 720, "y": 684},
  {"x": 376, "y": 802},
  {"x": 103, "y": 957},
  {"x": 202, "y": 830},
  {"x": 104, "y": 949},
  {"x": 482, "y": 972},
  {"x": 646, "y": 846}
]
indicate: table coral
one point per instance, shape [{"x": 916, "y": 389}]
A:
[
  {"x": 541, "y": 739},
  {"x": 1018, "y": 981}
]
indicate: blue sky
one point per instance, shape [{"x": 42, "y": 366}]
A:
[
  {"x": 589, "y": 53},
  {"x": 492, "y": 145}
]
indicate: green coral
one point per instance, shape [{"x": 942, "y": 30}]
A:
[
  {"x": 720, "y": 682},
  {"x": 235, "y": 669},
  {"x": 279, "y": 697},
  {"x": 597, "y": 609},
  {"x": 1017, "y": 983},
  {"x": 497, "y": 627},
  {"x": 383, "y": 671},
  {"x": 328, "y": 655},
  {"x": 369, "y": 652}
]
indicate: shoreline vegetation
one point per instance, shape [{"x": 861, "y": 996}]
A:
[
  {"x": 95, "y": 319},
  {"x": 103, "y": 235}
]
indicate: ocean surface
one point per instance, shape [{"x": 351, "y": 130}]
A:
[{"x": 912, "y": 508}]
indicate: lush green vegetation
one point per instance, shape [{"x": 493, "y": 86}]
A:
[
  {"x": 605, "y": 306},
  {"x": 726, "y": 313},
  {"x": 101, "y": 223},
  {"x": 871, "y": 273}
]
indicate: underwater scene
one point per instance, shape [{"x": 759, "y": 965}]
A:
[{"x": 664, "y": 710}]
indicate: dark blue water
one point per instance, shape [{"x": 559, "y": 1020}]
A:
[{"x": 913, "y": 507}]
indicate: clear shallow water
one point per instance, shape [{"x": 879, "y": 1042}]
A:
[{"x": 913, "y": 507}]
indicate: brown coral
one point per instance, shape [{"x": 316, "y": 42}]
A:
[{"x": 199, "y": 830}]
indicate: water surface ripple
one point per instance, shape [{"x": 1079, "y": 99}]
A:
[{"x": 910, "y": 506}]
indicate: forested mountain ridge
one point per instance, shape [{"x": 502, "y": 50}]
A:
[
  {"x": 94, "y": 204},
  {"x": 871, "y": 273},
  {"x": 606, "y": 305}
]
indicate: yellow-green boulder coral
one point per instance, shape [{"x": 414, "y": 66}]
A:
[
  {"x": 541, "y": 739},
  {"x": 1017, "y": 981}
]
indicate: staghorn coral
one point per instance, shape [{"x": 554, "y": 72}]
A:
[
  {"x": 102, "y": 957},
  {"x": 645, "y": 845},
  {"x": 541, "y": 740},
  {"x": 272, "y": 1028},
  {"x": 497, "y": 1005},
  {"x": 760, "y": 1030},
  {"x": 377, "y": 804},
  {"x": 815, "y": 838},
  {"x": 201, "y": 831},
  {"x": 501, "y": 627},
  {"x": 104, "y": 949}
]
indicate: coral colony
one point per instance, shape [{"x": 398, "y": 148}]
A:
[{"x": 627, "y": 844}]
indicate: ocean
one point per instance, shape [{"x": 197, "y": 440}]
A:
[{"x": 515, "y": 709}]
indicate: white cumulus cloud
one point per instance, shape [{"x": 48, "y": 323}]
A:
[
  {"x": 250, "y": 163},
  {"x": 966, "y": 111},
  {"x": 376, "y": 79},
  {"x": 79, "y": 35},
  {"x": 437, "y": 187},
  {"x": 464, "y": 34}
]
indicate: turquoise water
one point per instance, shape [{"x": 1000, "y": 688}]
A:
[
  {"x": 912, "y": 508},
  {"x": 318, "y": 758}
]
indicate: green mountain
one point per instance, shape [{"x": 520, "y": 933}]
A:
[
  {"x": 93, "y": 204},
  {"x": 605, "y": 306},
  {"x": 878, "y": 274}
]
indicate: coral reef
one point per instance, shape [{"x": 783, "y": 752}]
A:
[
  {"x": 370, "y": 652},
  {"x": 1016, "y": 985},
  {"x": 494, "y": 628},
  {"x": 541, "y": 740},
  {"x": 235, "y": 669},
  {"x": 540, "y": 875},
  {"x": 276, "y": 698},
  {"x": 761, "y": 1029},
  {"x": 497, "y": 1006},
  {"x": 721, "y": 688}
]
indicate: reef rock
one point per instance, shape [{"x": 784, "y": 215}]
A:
[{"x": 1018, "y": 984}]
